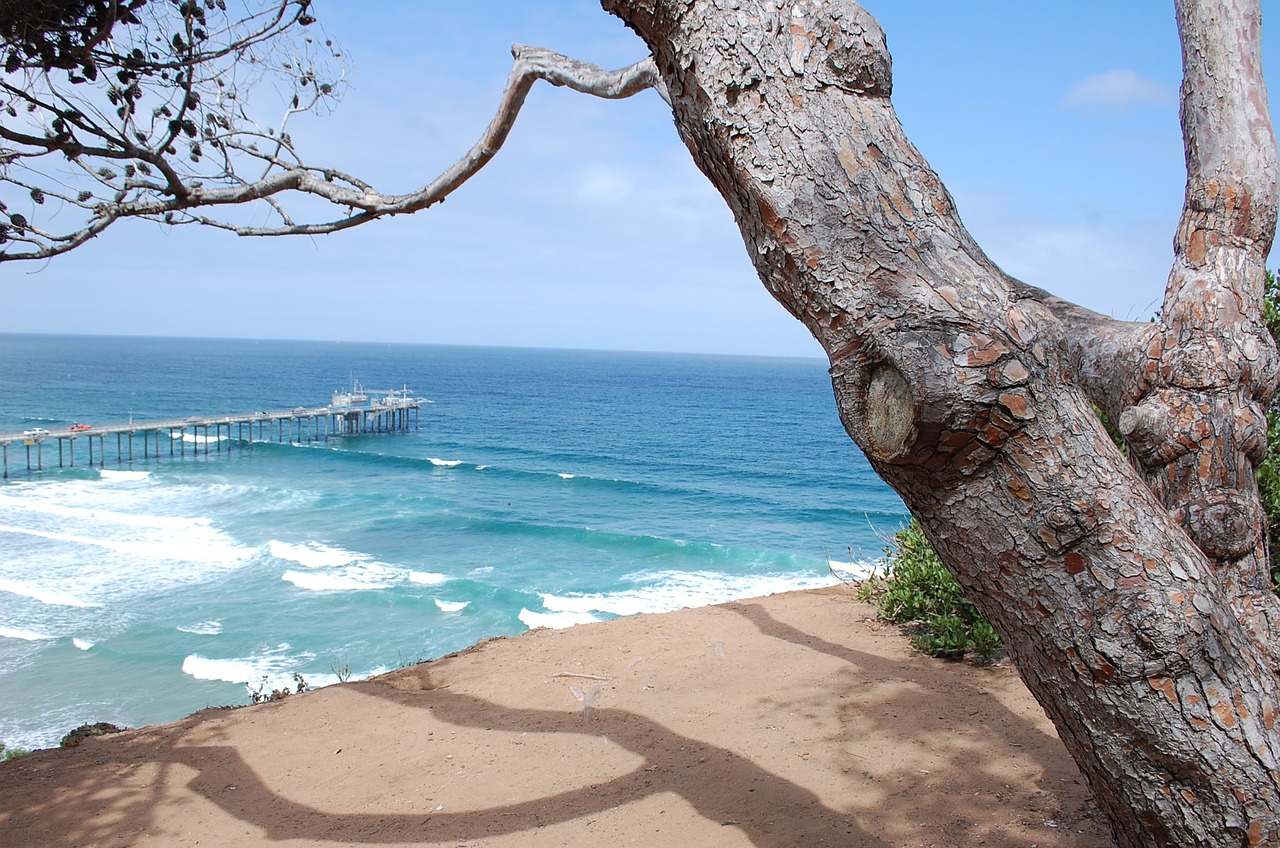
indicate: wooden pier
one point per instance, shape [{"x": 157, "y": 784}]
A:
[{"x": 351, "y": 413}]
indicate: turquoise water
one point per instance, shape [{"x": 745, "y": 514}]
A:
[{"x": 541, "y": 488}]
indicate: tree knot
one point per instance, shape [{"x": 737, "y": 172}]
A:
[
  {"x": 1224, "y": 523},
  {"x": 890, "y": 413},
  {"x": 856, "y": 54}
]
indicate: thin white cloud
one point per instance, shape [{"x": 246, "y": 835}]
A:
[
  {"x": 1117, "y": 272},
  {"x": 603, "y": 185},
  {"x": 1113, "y": 261},
  {"x": 1116, "y": 92}
]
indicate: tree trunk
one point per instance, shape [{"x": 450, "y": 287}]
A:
[{"x": 1132, "y": 597}]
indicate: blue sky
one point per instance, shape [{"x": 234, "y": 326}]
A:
[{"x": 1054, "y": 126}]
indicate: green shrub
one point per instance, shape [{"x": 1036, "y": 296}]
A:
[
  {"x": 87, "y": 731},
  {"x": 7, "y": 753},
  {"x": 917, "y": 589}
]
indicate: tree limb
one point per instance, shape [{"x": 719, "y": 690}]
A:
[
  {"x": 964, "y": 388},
  {"x": 180, "y": 201},
  {"x": 1109, "y": 355}
]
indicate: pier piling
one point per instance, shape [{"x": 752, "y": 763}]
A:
[{"x": 350, "y": 414}]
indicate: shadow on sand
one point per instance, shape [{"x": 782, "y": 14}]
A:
[{"x": 111, "y": 792}]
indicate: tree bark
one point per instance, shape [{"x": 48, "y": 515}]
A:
[
  {"x": 1132, "y": 597},
  {"x": 1217, "y": 368}
]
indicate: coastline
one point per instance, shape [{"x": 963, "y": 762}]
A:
[
  {"x": 568, "y": 484},
  {"x": 790, "y": 719}
]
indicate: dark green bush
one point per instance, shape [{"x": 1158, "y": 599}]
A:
[
  {"x": 86, "y": 731},
  {"x": 918, "y": 590}
]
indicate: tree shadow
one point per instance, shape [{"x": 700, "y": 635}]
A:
[
  {"x": 110, "y": 793},
  {"x": 958, "y": 786},
  {"x": 691, "y": 768},
  {"x": 104, "y": 792}
]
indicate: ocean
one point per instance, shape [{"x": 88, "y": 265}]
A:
[{"x": 540, "y": 488}]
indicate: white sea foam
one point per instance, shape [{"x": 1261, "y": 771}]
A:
[
  {"x": 197, "y": 439},
  {"x": 115, "y": 476},
  {"x": 444, "y": 463},
  {"x": 360, "y": 576},
  {"x": 147, "y": 547},
  {"x": 557, "y": 620},
  {"x": 138, "y": 524},
  {"x": 52, "y": 597},
  {"x": 861, "y": 570},
  {"x": 260, "y": 673},
  {"x": 94, "y": 516},
  {"x": 364, "y": 575},
  {"x": 314, "y": 554},
  {"x": 277, "y": 666},
  {"x": 426, "y": 578},
  {"x": 25, "y": 635},
  {"x": 482, "y": 467},
  {"x": 82, "y": 644},
  {"x": 322, "y": 582},
  {"x": 452, "y": 606},
  {"x": 211, "y": 627},
  {"x": 672, "y": 590},
  {"x": 83, "y": 542},
  {"x": 564, "y": 476}
]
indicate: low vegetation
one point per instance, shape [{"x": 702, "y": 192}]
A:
[
  {"x": 917, "y": 590},
  {"x": 7, "y": 753},
  {"x": 87, "y": 731},
  {"x": 1269, "y": 470},
  {"x": 260, "y": 694}
]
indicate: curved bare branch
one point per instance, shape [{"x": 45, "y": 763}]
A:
[{"x": 180, "y": 201}]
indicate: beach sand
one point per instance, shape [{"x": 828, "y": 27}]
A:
[{"x": 791, "y": 720}]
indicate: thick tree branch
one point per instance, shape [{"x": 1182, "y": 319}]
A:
[
  {"x": 968, "y": 392},
  {"x": 1109, "y": 355},
  {"x": 1199, "y": 427}
]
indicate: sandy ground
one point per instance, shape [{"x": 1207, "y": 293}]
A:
[{"x": 793, "y": 720}]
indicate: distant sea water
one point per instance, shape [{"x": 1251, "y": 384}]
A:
[{"x": 541, "y": 488}]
